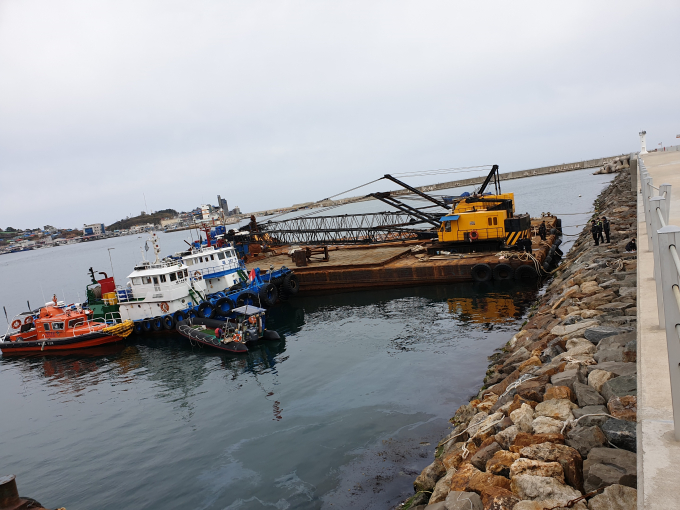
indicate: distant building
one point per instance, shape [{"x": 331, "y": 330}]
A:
[
  {"x": 205, "y": 211},
  {"x": 169, "y": 222},
  {"x": 96, "y": 229},
  {"x": 49, "y": 228},
  {"x": 222, "y": 204}
]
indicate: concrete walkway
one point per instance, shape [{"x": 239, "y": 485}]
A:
[{"x": 658, "y": 452}]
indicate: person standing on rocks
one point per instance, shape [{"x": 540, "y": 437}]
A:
[
  {"x": 599, "y": 235},
  {"x": 605, "y": 227},
  {"x": 595, "y": 231}
]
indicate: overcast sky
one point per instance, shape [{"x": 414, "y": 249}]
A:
[{"x": 273, "y": 103}]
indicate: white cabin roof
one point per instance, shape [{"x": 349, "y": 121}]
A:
[{"x": 156, "y": 270}]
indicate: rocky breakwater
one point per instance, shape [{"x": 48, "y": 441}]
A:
[{"x": 555, "y": 422}]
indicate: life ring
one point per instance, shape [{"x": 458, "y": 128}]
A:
[
  {"x": 16, "y": 324},
  {"x": 252, "y": 319},
  {"x": 473, "y": 235},
  {"x": 197, "y": 275},
  {"x": 236, "y": 337},
  {"x": 164, "y": 306},
  {"x": 28, "y": 319}
]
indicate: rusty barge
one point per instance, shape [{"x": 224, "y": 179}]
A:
[{"x": 406, "y": 263}]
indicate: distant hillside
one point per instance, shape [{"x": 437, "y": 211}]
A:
[{"x": 142, "y": 219}]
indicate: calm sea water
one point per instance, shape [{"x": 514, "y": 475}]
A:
[{"x": 337, "y": 414}]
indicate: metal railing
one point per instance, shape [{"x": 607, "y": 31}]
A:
[{"x": 662, "y": 240}]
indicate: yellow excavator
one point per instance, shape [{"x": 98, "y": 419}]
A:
[
  {"x": 485, "y": 218},
  {"x": 477, "y": 221}
]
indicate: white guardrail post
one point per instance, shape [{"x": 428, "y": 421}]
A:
[
  {"x": 665, "y": 191},
  {"x": 649, "y": 193},
  {"x": 657, "y": 204},
  {"x": 668, "y": 239}
]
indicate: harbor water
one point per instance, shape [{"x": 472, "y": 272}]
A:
[{"x": 341, "y": 412}]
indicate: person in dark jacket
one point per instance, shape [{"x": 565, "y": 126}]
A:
[
  {"x": 599, "y": 235},
  {"x": 631, "y": 246},
  {"x": 605, "y": 227},
  {"x": 542, "y": 231},
  {"x": 595, "y": 231}
]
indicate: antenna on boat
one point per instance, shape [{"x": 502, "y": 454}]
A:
[
  {"x": 5, "y": 309},
  {"x": 43, "y": 294},
  {"x": 29, "y": 305}
]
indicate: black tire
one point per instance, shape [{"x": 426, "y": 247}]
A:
[
  {"x": 558, "y": 224},
  {"x": 168, "y": 322},
  {"x": 503, "y": 272},
  {"x": 247, "y": 298},
  {"x": 146, "y": 326},
  {"x": 291, "y": 284},
  {"x": 268, "y": 334},
  {"x": 481, "y": 272},
  {"x": 157, "y": 323},
  {"x": 268, "y": 295},
  {"x": 558, "y": 252},
  {"x": 138, "y": 327},
  {"x": 557, "y": 242},
  {"x": 224, "y": 306},
  {"x": 236, "y": 286},
  {"x": 526, "y": 273},
  {"x": 179, "y": 316},
  {"x": 206, "y": 310},
  {"x": 192, "y": 313}
]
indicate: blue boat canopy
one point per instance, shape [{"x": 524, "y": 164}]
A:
[{"x": 449, "y": 218}]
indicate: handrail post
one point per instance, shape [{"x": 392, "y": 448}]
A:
[
  {"x": 665, "y": 191},
  {"x": 649, "y": 193},
  {"x": 657, "y": 202},
  {"x": 633, "y": 162},
  {"x": 670, "y": 236}
]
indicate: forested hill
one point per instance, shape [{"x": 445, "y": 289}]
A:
[{"x": 142, "y": 219}]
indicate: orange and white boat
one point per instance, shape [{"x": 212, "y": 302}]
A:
[{"x": 59, "y": 328}]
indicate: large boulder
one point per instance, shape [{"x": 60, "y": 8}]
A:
[
  {"x": 483, "y": 455},
  {"x": 558, "y": 409},
  {"x": 615, "y": 497},
  {"x": 623, "y": 408},
  {"x": 568, "y": 378},
  {"x": 559, "y": 393},
  {"x": 541, "y": 488},
  {"x": 429, "y": 476},
  {"x": 506, "y": 437},
  {"x": 617, "y": 368},
  {"x": 537, "y": 468},
  {"x": 545, "y": 425},
  {"x": 442, "y": 488},
  {"x": 522, "y": 418},
  {"x": 497, "y": 498},
  {"x": 607, "y": 466},
  {"x": 589, "y": 421},
  {"x": 569, "y": 458},
  {"x": 597, "y": 333},
  {"x": 597, "y": 378},
  {"x": 500, "y": 463},
  {"x": 459, "y": 500},
  {"x": 523, "y": 440},
  {"x": 584, "y": 439},
  {"x": 586, "y": 395},
  {"x": 470, "y": 479},
  {"x": 458, "y": 455},
  {"x": 621, "y": 433},
  {"x": 620, "y": 387}
]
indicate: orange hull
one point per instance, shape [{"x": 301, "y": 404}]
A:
[{"x": 9, "y": 348}]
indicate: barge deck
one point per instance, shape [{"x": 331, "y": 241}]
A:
[{"x": 400, "y": 264}]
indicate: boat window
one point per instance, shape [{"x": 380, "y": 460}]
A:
[
  {"x": 75, "y": 322},
  {"x": 47, "y": 326},
  {"x": 190, "y": 262},
  {"x": 173, "y": 277},
  {"x": 57, "y": 326},
  {"x": 495, "y": 220},
  {"x": 180, "y": 275},
  {"x": 162, "y": 277},
  {"x": 155, "y": 280},
  {"x": 447, "y": 228},
  {"x": 200, "y": 259},
  {"x": 212, "y": 257},
  {"x": 232, "y": 253},
  {"x": 136, "y": 281},
  {"x": 220, "y": 255},
  {"x": 146, "y": 279},
  {"x": 490, "y": 221},
  {"x": 186, "y": 274}
]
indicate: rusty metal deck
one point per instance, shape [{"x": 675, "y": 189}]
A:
[{"x": 393, "y": 265}]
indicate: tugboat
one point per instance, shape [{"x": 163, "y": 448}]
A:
[
  {"x": 247, "y": 325},
  {"x": 56, "y": 327},
  {"x": 207, "y": 282}
]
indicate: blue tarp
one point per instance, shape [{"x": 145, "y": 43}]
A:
[{"x": 449, "y": 218}]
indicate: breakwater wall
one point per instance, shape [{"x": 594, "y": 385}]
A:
[{"x": 555, "y": 422}]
